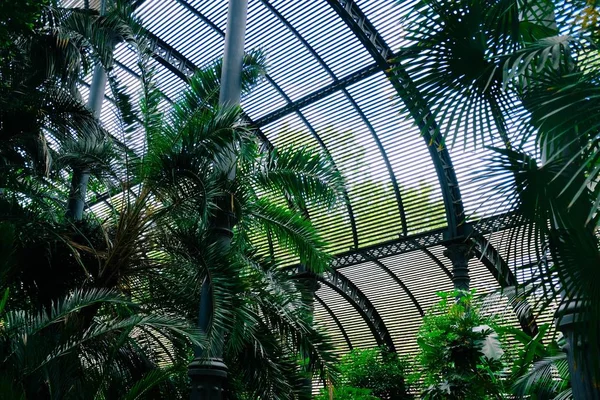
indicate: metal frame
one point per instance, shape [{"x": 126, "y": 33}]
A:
[
  {"x": 355, "y": 19},
  {"x": 181, "y": 62},
  {"x": 351, "y": 293},
  {"x": 383, "y": 56},
  {"x": 335, "y": 319},
  {"x": 374, "y": 43},
  {"x": 419, "y": 241},
  {"x": 491, "y": 258},
  {"x": 391, "y": 248},
  {"x": 355, "y": 106},
  {"x": 319, "y": 94}
]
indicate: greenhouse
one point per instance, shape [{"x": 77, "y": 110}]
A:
[{"x": 320, "y": 199}]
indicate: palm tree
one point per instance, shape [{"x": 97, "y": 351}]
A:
[
  {"x": 257, "y": 305},
  {"x": 47, "y": 354},
  {"x": 102, "y": 307},
  {"x": 528, "y": 72},
  {"x": 43, "y": 117}
]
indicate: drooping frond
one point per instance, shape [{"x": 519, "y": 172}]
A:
[{"x": 305, "y": 177}]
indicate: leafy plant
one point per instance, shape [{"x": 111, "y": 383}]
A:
[
  {"x": 346, "y": 393},
  {"x": 518, "y": 74},
  {"x": 539, "y": 367},
  {"x": 460, "y": 353},
  {"x": 108, "y": 308},
  {"x": 371, "y": 374}
]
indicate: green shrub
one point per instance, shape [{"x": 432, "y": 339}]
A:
[
  {"x": 371, "y": 374},
  {"x": 347, "y": 393},
  {"x": 461, "y": 356}
]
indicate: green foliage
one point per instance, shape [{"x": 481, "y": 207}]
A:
[
  {"x": 201, "y": 161},
  {"x": 19, "y": 17},
  {"x": 107, "y": 309},
  {"x": 379, "y": 370},
  {"x": 460, "y": 354},
  {"x": 347, "y": 393},
  {"x": 371, "y": 374},
  {"x": 514, "y": 74},
  {"x": 540, "y": 368}
]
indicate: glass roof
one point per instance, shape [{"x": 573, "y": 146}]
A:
[{"x": 329, "y": 86}]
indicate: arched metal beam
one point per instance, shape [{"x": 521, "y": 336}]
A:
[
  {"x": 373, "y": 42},
  {"x": 438, "y": 262},
  {"x": 336, "y": 320},
  {"x": 361, "y": 304},
  {"x": 491, "y": 258},
  {"x": 358, "y": 110},
  {"x": 401, "y": 284},
  {"x": 319, "y": 94}
]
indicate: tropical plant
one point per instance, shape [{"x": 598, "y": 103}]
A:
[
  {"x": 460, "y": 353},
  {"x": 346, "y": 393},
  {"x": 255, "y": 303},
  {"x": 539, "y": 368},
  {"x": 105, "y": 308},
  {"x": 521, "y": 74},
  {"x": 52, "y": 354},
  {"x": 370, "y": 374}
]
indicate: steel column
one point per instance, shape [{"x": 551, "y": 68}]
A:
[
  {"x": 460, "y": 253},
  {"x": 81, "y": 175},
  {"x": 233, "y": 57},
  {"x": 209, "y": 375}
]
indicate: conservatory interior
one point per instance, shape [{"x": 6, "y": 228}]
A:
[{"x": 319, "y": 199}]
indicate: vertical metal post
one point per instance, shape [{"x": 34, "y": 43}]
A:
[
  {"x": 233, "y": 57},
  {"x": 209, "y": 375},
  {"x": 97, "y": 89},
  {"x": 81, "y": 175},
  {"x": 310, "y": 286},
  {"x": 460, "y": 254},
  {"x": 571, "y": 319}
]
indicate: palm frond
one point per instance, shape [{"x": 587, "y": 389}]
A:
[
  {"x": 308, "y": 178},
  {"x": 459, "y": 77},
  {"x": 542, "y": 376},
  {"x": 292, "y": 231},
  {"x": 205, "y": 84}
]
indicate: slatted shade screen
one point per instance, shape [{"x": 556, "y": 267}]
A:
[{"x": 329, "y": 88}]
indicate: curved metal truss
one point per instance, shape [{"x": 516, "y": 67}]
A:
[
  {"x": 353, "y": 295},
  {"x": 382, "y": 54},
  {"x": 491, "y": 258},
  {"x": 383, "y": 61},
  {"x": 336, "y": 320},
  {"x": 357, "y": 21}
]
